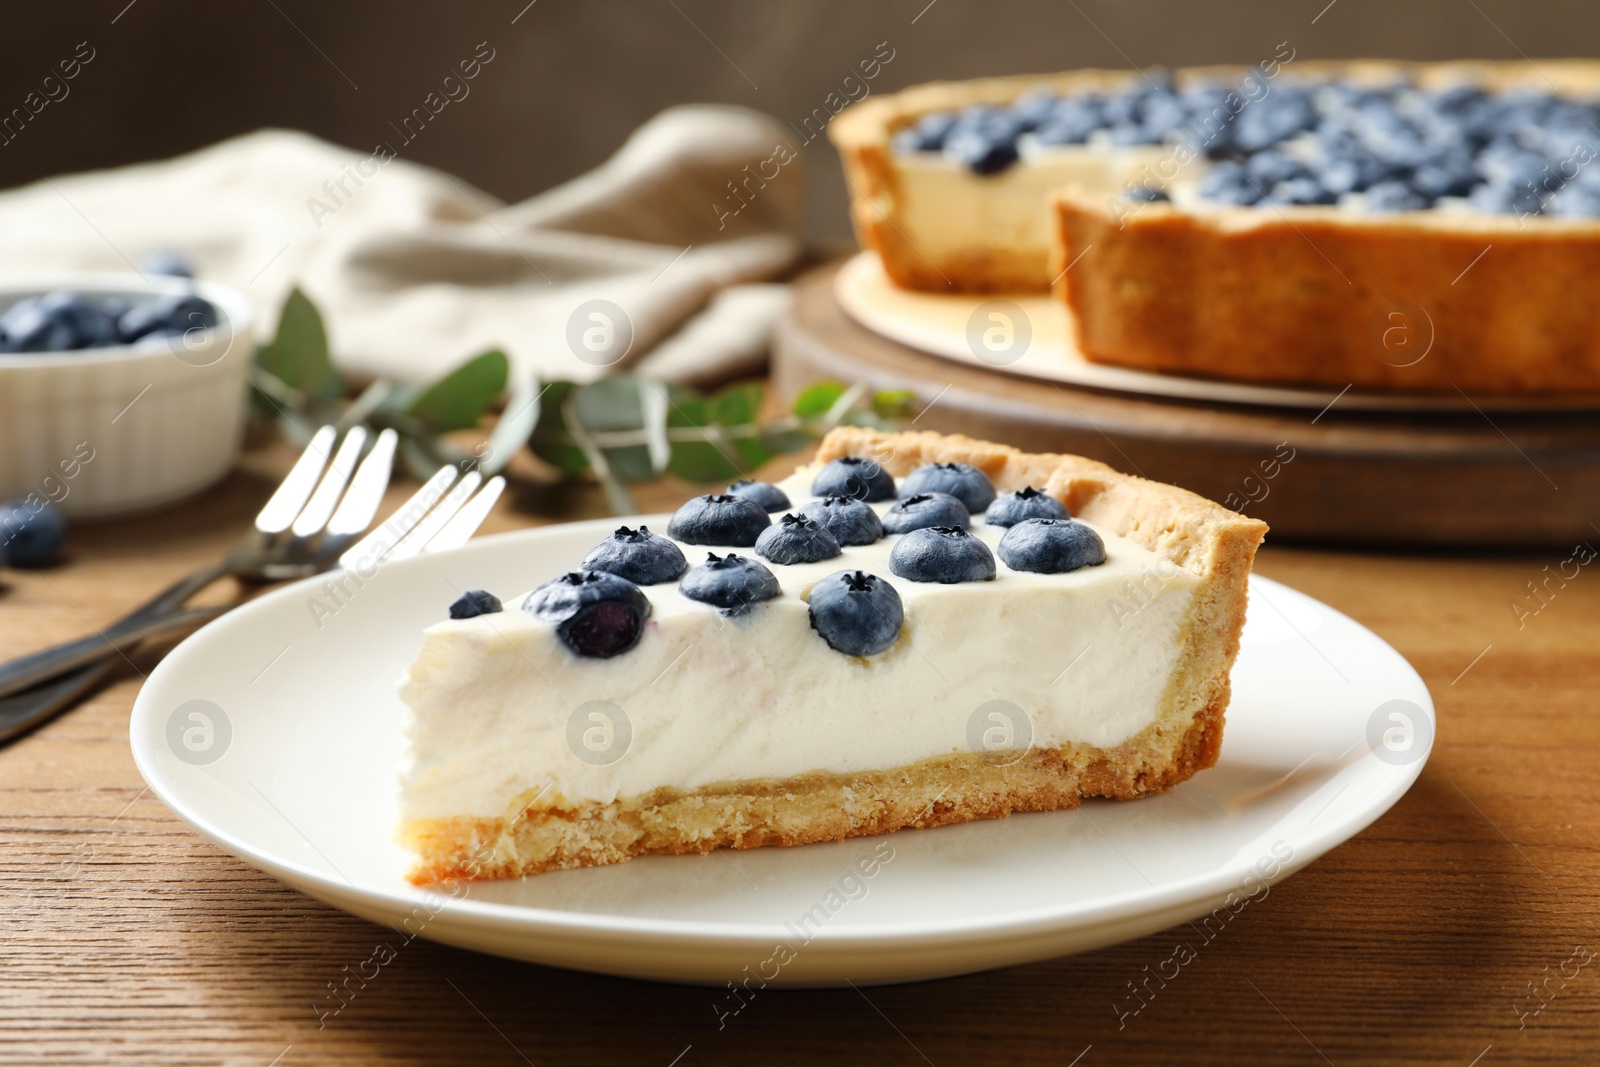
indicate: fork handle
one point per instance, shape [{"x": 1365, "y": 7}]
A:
[{"x": 144, "y": 624}]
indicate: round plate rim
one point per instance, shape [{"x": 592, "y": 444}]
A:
[{"x": 144, "y": 728}]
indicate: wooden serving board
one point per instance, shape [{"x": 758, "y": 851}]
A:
[{"x": 1454, "y": 478}]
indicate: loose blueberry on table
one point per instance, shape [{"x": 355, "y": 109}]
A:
[
  {"x": 1025, "y": 503},
  {"x": 854, "y": 476},
  {"x": 595, "y": 614},
  {"x": 732, "y": 583},
  {"x": 770, "y": 497},
  {"x": 921, "y": 510},
  {"x": 856, "y": 613},
  {"x": 1051, "y": 546},
  {"x": 943, "y": 554},
  {"x": 30, "y": 536},
  {"x": 796, "y": 539},
  {"x": 638, "y": 555},
  {"x": 850, "y": 520},
  {"x": 719, "y": 519},
  {"x": 474, "y": 602},
  {"x": 966, "y": 483},
  {"x": 1371, "y": 147}
]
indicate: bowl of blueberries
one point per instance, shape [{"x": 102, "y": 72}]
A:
[{"x": 120, "y": 392}]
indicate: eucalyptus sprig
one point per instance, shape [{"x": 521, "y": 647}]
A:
[{"x": 618, "y": 430}]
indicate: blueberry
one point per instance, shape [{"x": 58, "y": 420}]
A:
[
  {"x": 1346, "y": 166},
  {"x": 1162, "y": 113},
  {"x": 1119, "y": 108},
  {"x": 638, "y": 555},
  {"x": 1577, "y": 203},
  {"x": 921, "y": 510},
  {"x": 474, "y": 602},
  {"x": 1267, "y": 169},
  {"x": 1051, "y": 546},
  {"x": 796, "y": 539},
  {"x": 732, "y": 583},
  {"x": 58, "y": 321},
  {"x": 1034, "y": 108},
  {"x": 769, "y": 496},
  {"x": 1504, "y": 162},
  {"x": 1025, "y": 503},
  {"x": 29, "y": 536},
  {"x": 1305, "y": 190},
  {"x": 1395, "y": 196},
  {"x": 1447, "y": 172},
  {"x": 850, "y": 520},
  {"x": 944, "y": 554},
  {"x": 1497, "y": 198},
  {"x": 1209, "y": 123},
  {"x": 1273, "y": 118},
  {"x": 169, "y": 263},
  {"x": 1228, "y": 183},
  {"x": 981, "y": 151},
  {"x": 719, "y": 519},
  {"x": 966, "y": 483},
  {"x": 855, "y": 476},
  {"x": 856, "y": 613},
  {"x": 1145, "y": 194},
  {"x": 169, "y": 314},
  {"x": 928, "y": 133},
  {"x": 1072, "y": 120},
  {"x": 595, "y": 614}
]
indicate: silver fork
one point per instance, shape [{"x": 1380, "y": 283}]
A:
[{"x": 284, "y": 544}]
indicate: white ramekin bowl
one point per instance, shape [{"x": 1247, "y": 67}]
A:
[{"x": 104, "y": 431}]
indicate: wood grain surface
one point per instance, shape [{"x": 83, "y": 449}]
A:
[
  {"x": 1471, "y": 478},
  {"x": 1460, "y": 929}
]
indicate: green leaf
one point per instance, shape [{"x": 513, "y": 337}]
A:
[
  {"x": 612, "y": 404},
  {"x": 696, "y": 461},
  {"x": 552, "y": 422},
  {"x": 458, "y": 400},
  {"x": 738, "y": 404},
  {"x": 298, "y": 354},
  {"x": 699, "y": 461},
  {"x": 780, "y": 441},
  {"x": 816, "y": 399},
  {"x": 893, "y": 403}
]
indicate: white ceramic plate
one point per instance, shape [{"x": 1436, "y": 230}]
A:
[
  {"x": 939, "y": 323},
  {"x": 300, "y": 725}
]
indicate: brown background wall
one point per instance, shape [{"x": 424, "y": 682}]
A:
[{"x": 570, "y": 79}]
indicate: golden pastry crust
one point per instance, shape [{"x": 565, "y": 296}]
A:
[
  {"x": 1415, "y": 302},
  {"x": 1211, "y": 542}
]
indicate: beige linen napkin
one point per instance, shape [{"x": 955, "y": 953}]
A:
[{"x": 641, "y": 263}]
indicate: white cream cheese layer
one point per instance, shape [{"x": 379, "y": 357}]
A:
[
  {"x": 501, "y": 713},
  {"x": 949, "y": 210}
]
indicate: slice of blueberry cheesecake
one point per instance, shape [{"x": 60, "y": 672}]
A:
[{"x": 913, "y": 631}]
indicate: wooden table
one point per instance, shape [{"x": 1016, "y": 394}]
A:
[{"x": 126, "y": 938}]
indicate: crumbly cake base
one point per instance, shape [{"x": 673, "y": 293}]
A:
[
  {"x": 1211, "y": 542},
  {"x": 813, "y": 807}
]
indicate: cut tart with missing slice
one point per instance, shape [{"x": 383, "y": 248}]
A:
[{"x": 915, "y": 630}]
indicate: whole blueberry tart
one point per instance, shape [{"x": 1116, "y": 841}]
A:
[
  {"x": 913, "y": 631},
  {"x": 1371, "y": 224}
]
